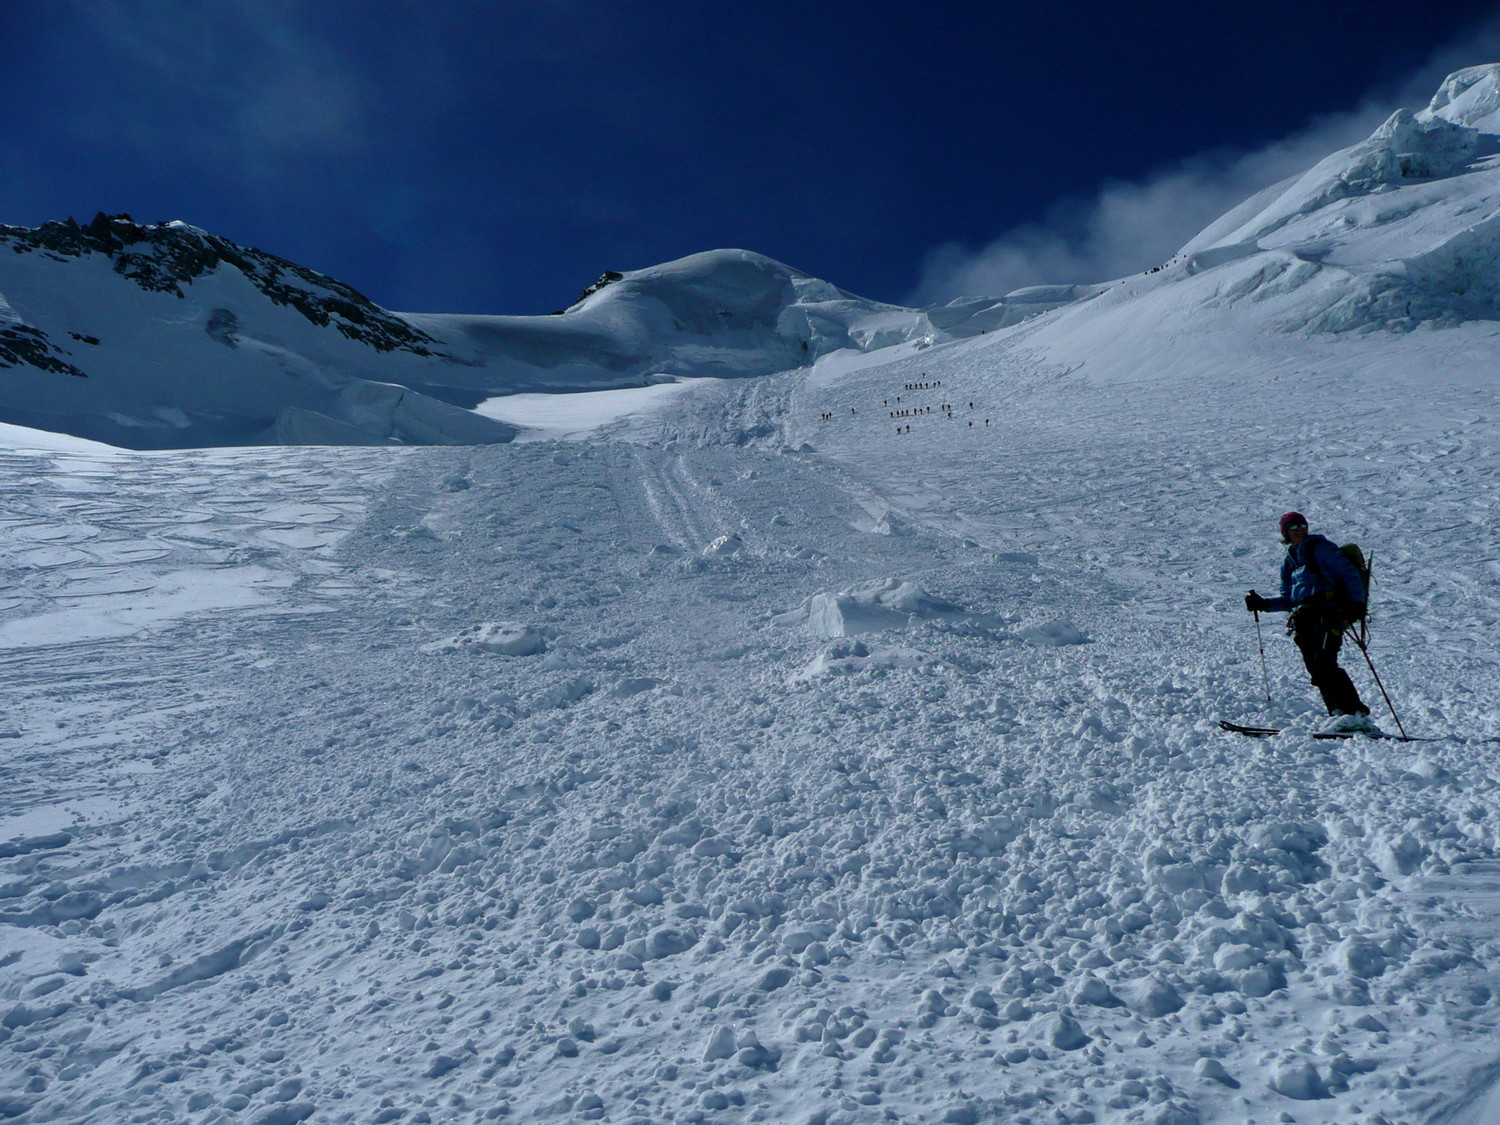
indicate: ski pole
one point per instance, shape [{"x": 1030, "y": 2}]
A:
[
  {"x": 1365, "y": 648},
  {"x": 1265, "y": 676},
  {"x": 1360, "y": 635}
]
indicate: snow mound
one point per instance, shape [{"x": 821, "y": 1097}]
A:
[
  {"x": 868, "y": 607},
  {"x": 24, "y": 437},
  {"x": 722, "y": 313},
  {"x": 507, "y": 638},
  {"x": 848, "y": 657},
  {"x": 1054, "y": 634}
]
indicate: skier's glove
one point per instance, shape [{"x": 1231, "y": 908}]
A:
[
  {"x": 1355, "y": 612},
  {"x": 1255, "y": 603}
]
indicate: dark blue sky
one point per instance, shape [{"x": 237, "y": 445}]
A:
[{"x": 496, "y": 157}]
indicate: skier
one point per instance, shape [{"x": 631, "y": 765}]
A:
[{"x": 1325, "y": 595}]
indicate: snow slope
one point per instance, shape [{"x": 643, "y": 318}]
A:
[
  {"x": 166, "y": 336},
  {"x": 778, "y": 759}
]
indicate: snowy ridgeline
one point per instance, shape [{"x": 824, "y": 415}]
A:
[
  {"x": 788, "y": 761},
  {"x": 166, "y": 336}
]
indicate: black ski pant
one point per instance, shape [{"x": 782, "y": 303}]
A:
[{"x": 1318, "y": 632}]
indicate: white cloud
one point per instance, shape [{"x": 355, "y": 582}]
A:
[{"x": 1128, "y": 227}]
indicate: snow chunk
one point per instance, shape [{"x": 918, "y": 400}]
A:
[
  {"x": 845, "y": 657},
  {"x": 1299, "y": 839},
  {"x": 724, "y": 545},
  {"x": 287, "y": 1114},
  {"x": 1176, "y": 878},
  {"x": 633, "y": 685},
  {"x": 1055, "y": 634},
  {"x": 1299, "y": 1081},
  {"x": 774, "y": 978},
  {"x": 1092, "y": 990},
  {"x": 983, "y": 1000},
  {"x": 666, "y": 941},
  {"x": 1426, "y": 771},
  {"x": 1241, "y": 878},
  {"x": 508, "y": 638},
  {"x": 720, "y": 1044},
  {"x": 868, "y": 607},
  {"x": 1213, "y": 1071},
  {"x": 1155, "y": 997},
  {"x": 1401, "y": 856},
  {"x": 1235, "y": 957},
  {"x": 1061, "y": 1031},
  {"x": 1359, "y": 957}
]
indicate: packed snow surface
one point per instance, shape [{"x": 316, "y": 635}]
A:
[
  {"x": 551, "y": 417},
  {"x": 358, "y": 785},
  {"x": 833, "y": 746}
]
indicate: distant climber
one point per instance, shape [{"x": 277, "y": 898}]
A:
[{"x": 1325, "y": 595}]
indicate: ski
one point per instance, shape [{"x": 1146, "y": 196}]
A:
[
  {"x": 1268, "y": 732},
  {"x": 1252, "y": 732}
]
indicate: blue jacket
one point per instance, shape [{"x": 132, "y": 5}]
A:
[{"x": 1332, "y": 574}]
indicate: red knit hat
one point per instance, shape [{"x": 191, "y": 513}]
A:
[{"x": 1290, "y": 520}]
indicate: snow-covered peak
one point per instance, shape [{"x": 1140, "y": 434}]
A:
[
  {"x": 730, "y": 313},
  {"x": 1406, "y": 150},
  {"x": 729, "y": 300},
  {"x": 1392, "y": 232},
  {"x": 162, "y": 335},
  {"x": 167, "y": 257},
  {"x": 1468, "y": 97},
  {"x": 704, "y": 291}
]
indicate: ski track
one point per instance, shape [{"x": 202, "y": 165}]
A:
[{"x": 273, "y": 857}]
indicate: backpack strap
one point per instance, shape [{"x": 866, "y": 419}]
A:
[
  {"x": 1335, "y": 591},
  {"x": 1310, "y": 561}
]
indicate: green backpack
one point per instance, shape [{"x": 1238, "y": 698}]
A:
[{"x": 1357, "y": 558}]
